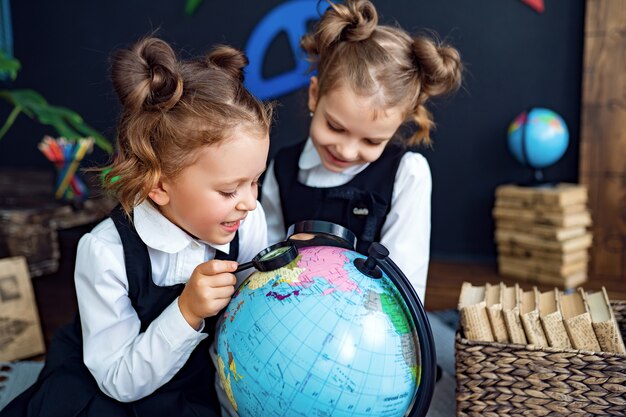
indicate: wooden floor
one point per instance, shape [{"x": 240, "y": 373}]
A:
[{"x": 57, "y": 301}]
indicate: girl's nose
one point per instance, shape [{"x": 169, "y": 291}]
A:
[
  {"x": 248, "y": 200},
  {"x": 348, "y": 150}
]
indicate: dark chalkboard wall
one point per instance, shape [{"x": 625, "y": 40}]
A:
[{"x": 515, "y": 59}]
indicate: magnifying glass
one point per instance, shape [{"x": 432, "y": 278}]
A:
[
  {"x": 271, "y": 258},
  {"x": 320, "y": 233}
]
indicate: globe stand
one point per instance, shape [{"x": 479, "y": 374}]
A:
[
  {"x": 537, "y": 180},
  {"x": 369, "y": 267},
  {"x": 538, "y": 177},
  {"x": 377, "y": 260}
]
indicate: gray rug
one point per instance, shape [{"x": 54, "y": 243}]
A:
[
  {"x": 16, "y": 377},
  {"x": 443, "y": 325}
]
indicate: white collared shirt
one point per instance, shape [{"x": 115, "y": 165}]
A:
[
  {"x": 126, "y": 364},
  {"x": 406, "y": 230}
]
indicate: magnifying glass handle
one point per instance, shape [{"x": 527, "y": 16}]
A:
[{"x": 244, "y": 266}]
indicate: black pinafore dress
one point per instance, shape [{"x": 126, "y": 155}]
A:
[
  {"x": 66, "y": 388},
  {"x": 361, "y": 205}
]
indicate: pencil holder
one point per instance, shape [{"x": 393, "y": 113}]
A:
[
  {"x": 69, "y": 186},
  {"x": 67, "y": 155}
]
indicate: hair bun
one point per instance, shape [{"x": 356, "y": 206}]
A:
[
  {"x": 440, "y": 66},
  {"x": 353, "y": 21},
  {"x": 361, "y": 21},
  {"x": 165, "y": 81},
  {"x": 230, "y": 59},
  {"x": 147, "y": 76}
]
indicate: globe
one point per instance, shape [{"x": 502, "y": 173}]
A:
[
  {"x": 318, "y": 337},
  {"x": 538, "y": 137}
]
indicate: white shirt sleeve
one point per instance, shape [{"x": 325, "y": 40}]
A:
[
  {"x": 127, "y": 365},
  {"x": 276, "y": 229},
  {"x": 406, "y": 231}
]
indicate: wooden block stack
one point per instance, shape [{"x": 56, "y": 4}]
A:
[{"x": 542, "y": 233}]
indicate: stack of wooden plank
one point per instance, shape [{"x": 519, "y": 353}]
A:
[{"x": 542, "y": 233}]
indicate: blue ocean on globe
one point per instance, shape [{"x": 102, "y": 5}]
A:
[
  {"x": 318, "y": 338},
  {"x": 538, "y": 137}
]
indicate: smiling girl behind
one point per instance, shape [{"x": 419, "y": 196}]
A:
[{"x": 355, "y": 169}]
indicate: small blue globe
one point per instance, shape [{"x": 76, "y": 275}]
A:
[{"x": 538, "y": 137}]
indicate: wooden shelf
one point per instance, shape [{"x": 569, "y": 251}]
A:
[
  {"x": 445, "y": 280},
  {"x": 30, "y": 218}
]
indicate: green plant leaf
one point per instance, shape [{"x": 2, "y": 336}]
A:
[
  {"x": 65, "y": 121},
  {"x": 9, "y": 65},
  {"x": 191, "y": 6}
]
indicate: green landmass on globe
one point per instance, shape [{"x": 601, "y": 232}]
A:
[{"x": 318, "y": 338}]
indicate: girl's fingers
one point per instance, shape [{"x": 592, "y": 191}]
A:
[
  {"x": 216, "y": 266},
  {"x": 221, "y": 280},
  {"x": 222, "y": 292}
]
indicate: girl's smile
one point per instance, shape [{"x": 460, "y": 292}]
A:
[
  {"x": 334, "y": 160},
  {"x": 349, "y": 129},
  {"x": 231, "y": 227}
]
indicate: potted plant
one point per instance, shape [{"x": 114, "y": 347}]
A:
[{"x": 66, "y": 122}]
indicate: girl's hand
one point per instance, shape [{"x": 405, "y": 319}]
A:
[{"x": 208, "y": 291}]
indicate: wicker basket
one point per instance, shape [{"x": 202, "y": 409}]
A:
[{"x": 495, "y": 379}]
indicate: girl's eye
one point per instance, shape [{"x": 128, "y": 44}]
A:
[
  {"x": 334, "y": 128},
  {"x": 373, "y": 142},
  {"x": 228, "y": 194}
]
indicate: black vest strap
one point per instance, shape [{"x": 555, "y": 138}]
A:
[
  {"x": 149, "y": 299},
  {"x": 233, "y": 253},
  {"x": 361, "y": 205}
]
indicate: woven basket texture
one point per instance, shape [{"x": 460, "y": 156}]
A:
[{"x": 495, "y": 379}]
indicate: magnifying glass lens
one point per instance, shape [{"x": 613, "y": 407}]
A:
[
  {"x": 275, "y": 253},
  {"x": 274, "y": 257}
]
